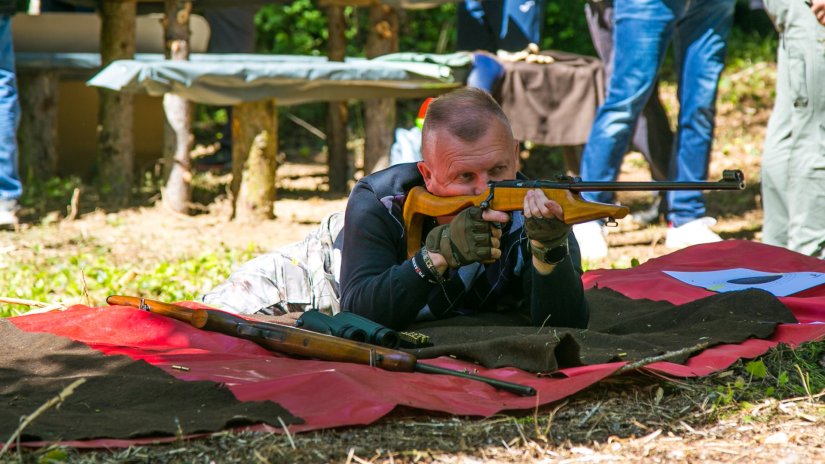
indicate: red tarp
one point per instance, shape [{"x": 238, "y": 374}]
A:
[{"x": 327, "y": 394}]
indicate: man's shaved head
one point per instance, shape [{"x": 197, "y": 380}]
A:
[
  {"x": 466, "y": 143},
  {"x": 466, "y": 113}
]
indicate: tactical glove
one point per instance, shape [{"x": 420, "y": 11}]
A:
[
  {"x": 550, "y": 232},
  {"x": 467, "y": 239}
]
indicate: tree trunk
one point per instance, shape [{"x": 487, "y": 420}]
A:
[
  {"x": 254, "y": 160},
  {"x": 177, "y": 193},
  {"x": 380, "y": 113},
  {"x": 38, "y": 125},
  {"x": 115, "y": 145},
  {"x": 337, "y": 115}
]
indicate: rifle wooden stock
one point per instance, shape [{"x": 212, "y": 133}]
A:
[
  {"x": 300, "y": 342},
  {"x": 509, "y": 196},
  {"x": 420, "y": 204}
]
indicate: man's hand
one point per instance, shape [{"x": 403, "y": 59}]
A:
[
  {"x": 543, "y": 222},
  {"x": 818, "y": 9},
  {"x": 469, "y": 238}
]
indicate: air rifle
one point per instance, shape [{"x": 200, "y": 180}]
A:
[
  {"x": 300, "y": 342},
  {"x": 509, "y": 195}
]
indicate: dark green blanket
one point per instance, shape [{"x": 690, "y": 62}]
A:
[
  {"x": 121, "y": 397},
  {"x": 620, "y": 329}
]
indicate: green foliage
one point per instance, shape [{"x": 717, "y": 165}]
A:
[
  {"x": 429, "y": 31},
  {"x": 298, "y": 28},
  {"x": 757, "y": 369},
  {"x": 748, "y": 48},
  {"x": 88, "y": 277},
  {"x": 782, "y": 373},
  {"x": 53, "y": 456},
  {"x": 749, "y": 81},
  {"x": 54, "y": 190},
  {"x": 565, "y": 28}
]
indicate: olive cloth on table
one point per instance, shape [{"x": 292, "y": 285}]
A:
[{"x": 554, "y": 103}]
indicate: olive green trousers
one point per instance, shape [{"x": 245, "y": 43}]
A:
[{"x": 793, "y": 167}]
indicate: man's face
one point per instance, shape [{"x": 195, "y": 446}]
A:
[{"x": 453, "y": 167}]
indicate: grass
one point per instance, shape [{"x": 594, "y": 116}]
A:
[{"x": 88, "y": 276}]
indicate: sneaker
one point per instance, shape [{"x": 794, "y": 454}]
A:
[
  {"x": 590, "y": 236},
  {"x": 693, "y": 233},
  {"x": 8, "y": 214}
]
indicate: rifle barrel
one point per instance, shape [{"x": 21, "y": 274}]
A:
[
  {"x": 518, "y": 389},
  {"x": 731, "y": 180}
]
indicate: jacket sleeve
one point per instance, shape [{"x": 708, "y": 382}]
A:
[
  {"x": 557, "y": 299},
  {"x": 377, "y": 281}
]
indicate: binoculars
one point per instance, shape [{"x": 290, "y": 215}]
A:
[{"x": 350, "y": 326}]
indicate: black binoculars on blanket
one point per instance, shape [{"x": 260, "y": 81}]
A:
[{"x": 350, "y": 326}]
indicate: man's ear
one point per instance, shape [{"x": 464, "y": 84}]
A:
[
  {"x": 516, "y": 156},
  {"x": 426, "y": 173}
]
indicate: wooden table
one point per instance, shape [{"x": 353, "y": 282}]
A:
[{"x": 255, "y": 83}]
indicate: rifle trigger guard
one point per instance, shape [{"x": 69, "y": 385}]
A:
[
  {"x": 610, "y": 222},
  {"x": 486, "y": 203},
  {"x": 143, "y": 306}
]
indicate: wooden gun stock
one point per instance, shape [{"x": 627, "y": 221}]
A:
[
  {"x": 420, "y": 204},
  {"x": 300, "y": 342}
]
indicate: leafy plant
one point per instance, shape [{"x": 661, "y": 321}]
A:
[
  {"x": 88, "y": 277},
  {"x": 782, "y": 373}
]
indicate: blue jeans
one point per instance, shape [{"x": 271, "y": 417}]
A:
[
  {"x": 10, "y": 186},
  {"x": 642, "y": 32}
]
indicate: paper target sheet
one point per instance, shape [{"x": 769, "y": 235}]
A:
[{"x": 730, "y": 280}]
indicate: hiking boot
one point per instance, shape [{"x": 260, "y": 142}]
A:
[
  {"x": 692, "y": 233},
  {"x": 8, "y": 214},
  {"x": 591, "y": 238}
]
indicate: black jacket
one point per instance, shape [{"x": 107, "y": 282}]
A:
[
  {"x": 8, "y": 7},
  {"x": 379, "y": 282}
]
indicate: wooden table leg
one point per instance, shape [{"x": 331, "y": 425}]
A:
[
  {"x": 254, "y": 160},
  {"x": 177, "y": 143},
  {"x": 337, "y": 159},
  {"x": 379, "y": 113},
  {"x": 116, "y": 152}
]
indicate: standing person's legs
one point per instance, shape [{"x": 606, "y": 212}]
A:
[
  {"x": 652, "y": 135},
  {"x": 10, "y": 185},
  {"x": 641, "y": 33},
  {"x": 804, "y": 39},
  {"x": 700, "y": 43},
  {"x": 777, "y": 157}
]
